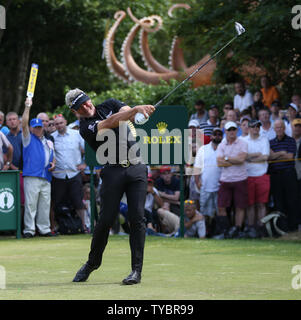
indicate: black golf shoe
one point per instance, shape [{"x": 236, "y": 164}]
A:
[
  {"x": 83, "y": 273},
  {"x": 133, "y": 278}
]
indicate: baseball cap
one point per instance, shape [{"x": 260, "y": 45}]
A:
[
  {"x": 292, "y": 105},
  {"x": 217, "y": 129},
  {"x": 213, "y": 106},
  {"x": 193, "y": 123},
  {"x": 296, "y": 121},
  {"x": 165, "y": 168},
  {"x": 79, "y": 100},
  {"x": 245, "y": 118},
  {"x": 35, "y": 122},
  {"x": 254, "y": 123},
  {"x": 230, "y": 124}
]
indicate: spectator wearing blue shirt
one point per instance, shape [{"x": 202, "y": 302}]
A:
[
  {"x": 14, "y": 136},
  {"x": 3, "y": 128},
  {"x": 284, "y": 185}
]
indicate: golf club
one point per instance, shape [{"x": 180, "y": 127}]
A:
[{"x": 140, "y": 118}]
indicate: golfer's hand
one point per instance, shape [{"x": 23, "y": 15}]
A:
[{"x": 146, "y": 110}]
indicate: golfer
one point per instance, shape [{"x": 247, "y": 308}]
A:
[{"x": 123, "y": 173}]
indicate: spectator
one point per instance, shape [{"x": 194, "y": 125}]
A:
[
  {"x": 232, "y": 117},
  {"x": 297, "y": 137},
  {"x": 194, "y": 222},
  {"x": 45, "y": 119},
  {"x": 231, "y": 156},
  {"x": 152, "y": 198},
  {"x": 15, "y": 138},
  {"x": 296, "y": 99},
  {"x": 292, "y": 111},
  {"x": 284, "y": 186},
  {"x": 266, "y": 128},
  {"x": 51, "y": 126},
  {"x": 87, "y": 206},
  {"x": 211, "y": 123},
  {"x": 258, "y": 180},
  {"x": 269, "y": 92},
  {"x": 275, "y": 111},
  {"x": 3, "y": 128},
  {"x": 227, "y": 106},
  {"x": 169, "y": 222},
  {"x": 257, "y": 98},
  {"x": 201, "y": 114},
  {"x": 208, "y": 179},
  {"x": 168, "y": 186},
  {"x": 5, "y": 163},
  {"x": 38, "y": 162},
  {"x": 244, "y": 125},
  {"x": 243, "y": 98},
  {"x": 67, "y": 179}
]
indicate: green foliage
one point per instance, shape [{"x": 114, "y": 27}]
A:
[
  {"x": 269, "y": 40},
  {"x": 139, "y": 93}
]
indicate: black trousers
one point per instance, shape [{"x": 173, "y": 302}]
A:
[
  {"x": 115, "y": 181},
  {"x": 284, "y": 189}
]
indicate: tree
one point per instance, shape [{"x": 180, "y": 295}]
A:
[
  {"x": 270, "y": 41},
  {"x": 64, "y": 38}
]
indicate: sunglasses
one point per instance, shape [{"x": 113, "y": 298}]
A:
[
  {"x": 57, "y": 115},
  {"x": 232, "y": 129},
  {"x": 189, "y": 201}
]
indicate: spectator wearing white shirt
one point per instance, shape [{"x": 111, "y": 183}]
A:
[
  {"x": 266, "y": 129},
  {"x": 208, "y": 179},
  {"x": 292, "y": 111},
  {"x": 258, "y": 180},
  {"x": 243, "y": 98},
  {"x": 67, "y": 179}
]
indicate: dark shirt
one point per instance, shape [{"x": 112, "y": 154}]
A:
[
  {"x": 48, "y": 136},
  {"x": 168, "y": 188},
  {"x": 287, "y": 144},
  {"x": 122, "y": 139},
  {"x": 16, "y": 142}
]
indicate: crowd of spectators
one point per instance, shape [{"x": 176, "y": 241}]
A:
[
  {"x": 249, "y": 163},
  {"x": 245, "y": 163}
]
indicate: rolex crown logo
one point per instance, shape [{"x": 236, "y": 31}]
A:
[{"x": 161, "y": 127}]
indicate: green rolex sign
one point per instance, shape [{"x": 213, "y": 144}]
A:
[{"x": 10, "y": 201}]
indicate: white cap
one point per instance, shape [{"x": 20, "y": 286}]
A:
[
  {"x": 193, "y": 123},
  {"x": 230, "y": 124},
  {"x": 294, "y": 106}
]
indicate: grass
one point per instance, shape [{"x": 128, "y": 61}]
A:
[{"x": 43, "y": 269}]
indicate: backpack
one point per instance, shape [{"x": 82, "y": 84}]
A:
[{"x": 69, "y": 222}]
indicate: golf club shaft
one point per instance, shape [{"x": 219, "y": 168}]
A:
[{"x": 194, "y": 72}]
